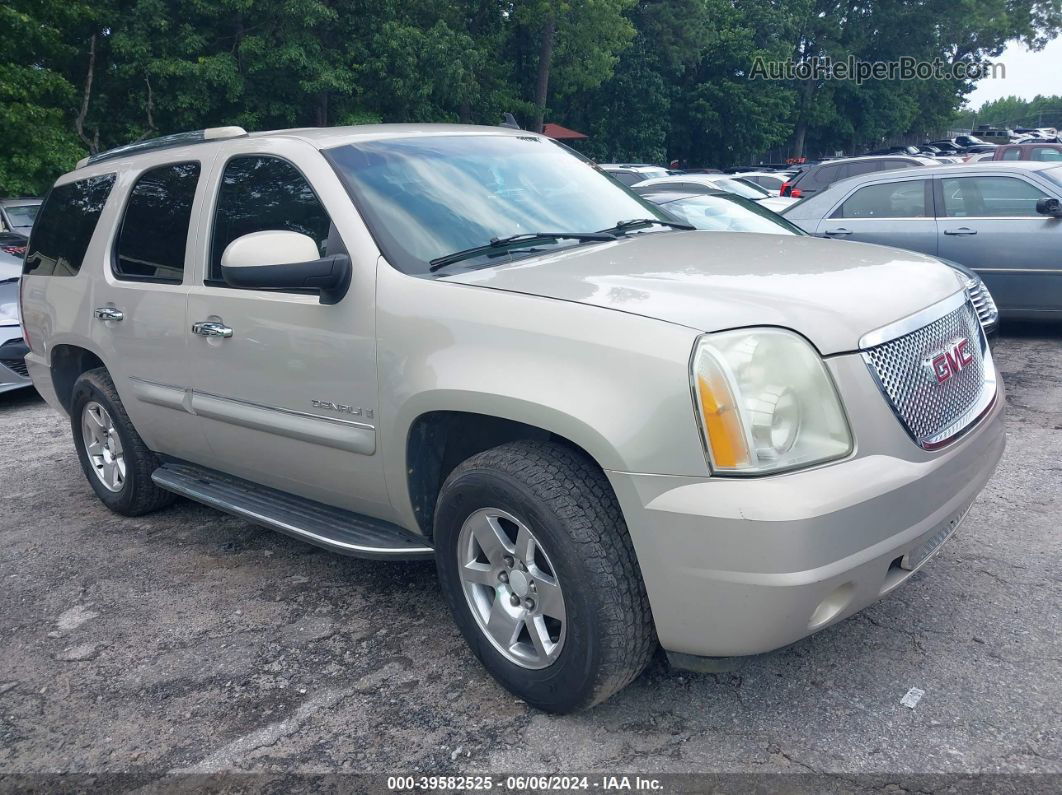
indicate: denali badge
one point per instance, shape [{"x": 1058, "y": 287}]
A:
[
  {"x": 948, "y": 362},
  {"x": 340, "y": 407}
]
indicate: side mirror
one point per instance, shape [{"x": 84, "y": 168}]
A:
[
  {"x": 1049, "y": 206},
  {"x": 279, "y": 259}
]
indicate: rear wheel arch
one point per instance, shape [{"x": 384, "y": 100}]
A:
[{"x": 67, "y": 363}]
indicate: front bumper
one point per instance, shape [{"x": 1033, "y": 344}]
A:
[
  {"x": 743, "y": 566},
  {"x": 13, "y": 374}
]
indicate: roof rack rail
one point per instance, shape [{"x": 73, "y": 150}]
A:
[{"x": 165, "y": 142}]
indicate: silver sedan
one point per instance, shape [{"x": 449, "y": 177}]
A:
[{"x": 1001, "y": 220}]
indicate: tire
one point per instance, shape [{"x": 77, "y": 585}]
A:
[
  {"x": 133, "y": 493},
  {"x": 563, "y": 499}
]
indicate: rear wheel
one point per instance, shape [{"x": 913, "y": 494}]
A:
[
  {"x": 541, "y": 576},
  {"x": 115, "y": 459}
]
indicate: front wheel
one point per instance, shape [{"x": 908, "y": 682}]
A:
[{"x": 539, "y": 571}]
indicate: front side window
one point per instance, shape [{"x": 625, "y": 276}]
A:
[
  {"x": 428, "y": 197},
  {"x": 989, "y": 197},
  {"x": 887, "y": 200},
  {"x": 260, "y": 193},
  {"x": 64, "y": 229},
  {"x": 154, "y": 231}
]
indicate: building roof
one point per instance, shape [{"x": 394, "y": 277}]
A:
[{"x": 560, "y": 133}]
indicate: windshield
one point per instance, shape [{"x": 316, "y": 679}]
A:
[
  {"x": 22, "y": 215},
  {"x": 729, "y": 214},
  {"x": 1054, "y": 174},
  {"x": 740, "y": 188},
  {"x": 425, "y": 198}
]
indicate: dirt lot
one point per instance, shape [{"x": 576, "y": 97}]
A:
[{"x": 188, "y": 640}]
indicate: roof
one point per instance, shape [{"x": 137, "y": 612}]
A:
[
  {"x": 552, "y": 130},
  {"x": 318, "y": 137}
]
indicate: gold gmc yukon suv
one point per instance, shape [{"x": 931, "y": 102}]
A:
[{"x": 610, "y": 431}]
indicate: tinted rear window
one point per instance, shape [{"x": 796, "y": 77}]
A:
[
  {"x": 64, "y": 228},
  {"x": 155, "y": 227}
]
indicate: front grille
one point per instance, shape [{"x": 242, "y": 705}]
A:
[{"x": 931, "y": 411}]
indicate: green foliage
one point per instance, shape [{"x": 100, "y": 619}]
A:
[{"x": 647, "y": 80}]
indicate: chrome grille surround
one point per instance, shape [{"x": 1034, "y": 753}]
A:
[
  {"x": 932, "y": 413},
  {"x": 982, "y": 302}
]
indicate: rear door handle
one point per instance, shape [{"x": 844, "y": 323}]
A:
[
  {"x": 962, "y": 230},
  {"x": 838, "y": 232},
  {"x": 209, "y": 328},
  {"x": 108, "y": 313}
]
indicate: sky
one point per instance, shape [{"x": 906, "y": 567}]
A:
[{"x": 1028, "y": 74}]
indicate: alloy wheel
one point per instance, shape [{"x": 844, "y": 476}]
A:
[
  {"x": 511, "y": 588},
  {"x": 103, "y": 446}
]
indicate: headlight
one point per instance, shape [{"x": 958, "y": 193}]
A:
[
  {"x": 766, "y": 402},
  {"x": 9, "y": 303}
]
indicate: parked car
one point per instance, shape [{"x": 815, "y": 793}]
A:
[
  {"x": 712, "y": 182},
  {"x": 16, "y": 215},
  {"x": 1000, "y": 219},
  {"x": 819, "y": 177},
  {"x": 1036, "y": 151},
  {"x": 770, "y": 181},
  {"x": 977, "y": 157},
  {"x": 724, "y": 212},
  {"x": 13, "y": 349},
  {"x": 631, "y": 174},
  {"x": 718, "y": 211},
  {"x": 972, "y": 140},
  {"x": 606, "y": 433}
]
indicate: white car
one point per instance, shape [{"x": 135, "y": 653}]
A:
[
  {"x": 698, "y": 183},
  {"x": 770, "y": 181}
]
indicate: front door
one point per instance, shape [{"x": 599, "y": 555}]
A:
[
  {"x": 897, "y": 213},
  {"x": 990, "y": 224},
  {"x": 287, "y": 393}
]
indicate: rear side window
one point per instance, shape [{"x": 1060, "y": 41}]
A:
[
  {"x": 260, "y": 193},
  {"x": 827, "y": 175},
  {"x": 154, "y": 232},
  {"x": 1013, "y": 153},
  {"x": 64, "y": 228},
  {"x": 887, "y": 200},
  {"x": 889, "y": 165}
]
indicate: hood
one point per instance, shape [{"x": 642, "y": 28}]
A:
[{"x": 830, "y": 291}]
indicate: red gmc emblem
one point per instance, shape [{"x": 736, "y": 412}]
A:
[{"x": 948, "y": 362}]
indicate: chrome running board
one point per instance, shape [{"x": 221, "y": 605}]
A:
[{"x": 332, "y": 528}]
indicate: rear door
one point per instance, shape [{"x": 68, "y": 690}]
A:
[
  {"x": 289, "y": 400},
  {"x": 895, "y": 213},
  {"x": 989, "y": 223},
  {"x": 139, "y": 303}
]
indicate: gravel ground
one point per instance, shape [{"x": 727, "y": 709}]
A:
[{"x": 189, "y": 640}]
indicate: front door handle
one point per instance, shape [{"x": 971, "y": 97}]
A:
[
  {"x": 838, "y": 232},
  {"x": 108, "y": 313},
  {"x": 209, "y": 328},
  {"x": 962, "y": 230}
]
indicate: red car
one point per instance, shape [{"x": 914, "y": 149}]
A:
[{"x": 1029, "y": 151}]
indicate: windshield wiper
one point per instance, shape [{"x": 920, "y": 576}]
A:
[
  {"x": 501, "y": 243},
  {"x": 638, "y": 223}
]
